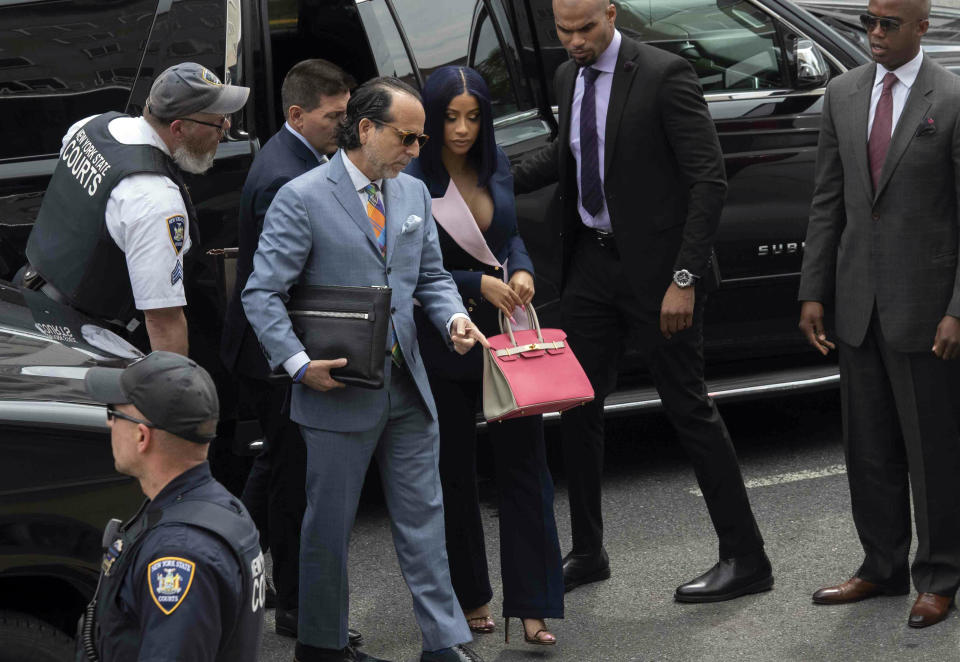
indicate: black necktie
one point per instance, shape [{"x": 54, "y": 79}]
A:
[{"x": 591, "y": 191}]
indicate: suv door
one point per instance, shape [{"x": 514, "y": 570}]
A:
[{"x": 764, "y": 79}]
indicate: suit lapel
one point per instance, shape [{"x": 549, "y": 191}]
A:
[
  {"x": 569, "y": 80},
  {"x": 623, "y": 77},
  {"x": 917, "y": 106},
  {"x": 298, "y": 148},
  {"x": 349, "y": 198},
  {"x": 860, "y": 117},
  {"x": 393, "y": 206}
]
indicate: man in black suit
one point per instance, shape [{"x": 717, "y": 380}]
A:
[
  {"x": 882, "y": 243},
  {"x": 314, "y": 95},
  {"x": 641, "y": 187}
]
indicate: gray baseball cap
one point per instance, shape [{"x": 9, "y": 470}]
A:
[
  {"x": 188, "y": 88},
  {"x": 173, "y": 392}
]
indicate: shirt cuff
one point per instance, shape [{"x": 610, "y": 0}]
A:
[
  {"x": 295, "y": 362},
  {"x": 450, "y": 322}
]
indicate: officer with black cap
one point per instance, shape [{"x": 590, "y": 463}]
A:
[
  {"x": 184, "y": 578},
  {"x": 116, "y": 219}
]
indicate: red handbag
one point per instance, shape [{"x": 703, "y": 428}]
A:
[{"x": 531, "y": 372}]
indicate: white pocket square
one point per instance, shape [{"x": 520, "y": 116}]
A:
[{"x": 412, "y": 223}]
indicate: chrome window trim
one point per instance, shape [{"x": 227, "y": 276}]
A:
[
  {"x": 61, "y": 415},
  {"x": 516, "y": 118},
  {"x": 763, "y": 94},
  {"x": 827, "y": 54}
]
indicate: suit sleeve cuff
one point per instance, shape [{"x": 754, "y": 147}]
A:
[
  {"x": 452, "y": 318},
  {"x": 295, "y": 362}
]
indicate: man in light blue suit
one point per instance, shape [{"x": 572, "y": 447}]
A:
[{"x": 354, "y": 221}]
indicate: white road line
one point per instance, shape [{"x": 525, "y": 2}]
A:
[{"x": 789, "y": 477}]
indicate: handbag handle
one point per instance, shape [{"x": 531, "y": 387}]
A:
[{"x": 531, "y": 313}]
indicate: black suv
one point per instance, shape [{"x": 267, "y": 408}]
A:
[
  {"x": 58, "y": 486},
  {"x": 763, "y": 65}
]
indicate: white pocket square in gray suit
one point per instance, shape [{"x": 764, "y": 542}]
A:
[{"x": 412, "y": 223}]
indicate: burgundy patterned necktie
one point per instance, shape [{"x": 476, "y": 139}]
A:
[{"x": 882, "y": 127}]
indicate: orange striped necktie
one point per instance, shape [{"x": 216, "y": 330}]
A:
[{"x": 378, "y": 218}]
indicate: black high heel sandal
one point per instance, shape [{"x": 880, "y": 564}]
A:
[{"x": 535, "y": 640}]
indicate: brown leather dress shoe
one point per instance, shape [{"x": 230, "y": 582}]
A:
[
  {"x": 929, "y": 609},
  {"x": 852, "y": 590}
]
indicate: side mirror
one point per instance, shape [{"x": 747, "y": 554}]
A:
[{"x": 811, "y": 69}]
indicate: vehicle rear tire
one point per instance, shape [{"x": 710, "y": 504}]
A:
[{"x": 28, "y": 639}]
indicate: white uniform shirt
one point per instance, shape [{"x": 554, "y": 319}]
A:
[
  {"x": 906, "y": 76},
  {"x": 138, "y": 216}
]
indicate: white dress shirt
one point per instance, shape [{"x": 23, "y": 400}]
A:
[
  {"x": 605, "y": 64},
  {"x": 906, "y": 76},
  {"x": 136, "y": 215},
  {"x": 360, "y": 182}
]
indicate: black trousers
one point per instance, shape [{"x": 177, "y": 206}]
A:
[
  {"x": 599, "y": 313},
  {"x": 275, "y": 493},
  {"x": 529, "y": 547},
  {"x": 901, "y": 427}
]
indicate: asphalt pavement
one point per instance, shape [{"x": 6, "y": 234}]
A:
[{"x": 658, "y": 535}]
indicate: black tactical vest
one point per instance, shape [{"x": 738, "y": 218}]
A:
[
  {"x": 69, "y": 245},
  {"x": 104, "y": 620}
]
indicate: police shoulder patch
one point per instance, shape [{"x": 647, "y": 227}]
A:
[
  {"x": 177, "y": 229},
  {"x": 169, "y": 579}
]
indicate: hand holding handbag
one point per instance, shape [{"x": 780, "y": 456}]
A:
[
  {"x": 531, "y": 372},
  {"x": 336, "y": 322}
]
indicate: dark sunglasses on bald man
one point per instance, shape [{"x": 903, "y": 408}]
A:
[
  {"x": 869, "y": 22},
  {"x": 407, "y": 138}
]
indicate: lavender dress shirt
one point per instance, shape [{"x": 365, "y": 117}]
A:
[{"x": 606, "y": 64}]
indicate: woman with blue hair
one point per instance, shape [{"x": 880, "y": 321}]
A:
[{"x": 472, "y": 188}]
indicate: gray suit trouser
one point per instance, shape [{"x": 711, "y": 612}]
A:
[
  {"x": 406, "y": 443},
  {"x": 900, "y": 419}
]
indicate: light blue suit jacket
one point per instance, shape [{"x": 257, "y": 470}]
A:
[{"x": 317, "y": 233}]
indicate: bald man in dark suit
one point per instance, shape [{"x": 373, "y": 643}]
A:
[{"x": 882, "y": 244}]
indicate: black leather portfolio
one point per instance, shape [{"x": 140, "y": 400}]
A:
[{"x": 336, "y": 322}]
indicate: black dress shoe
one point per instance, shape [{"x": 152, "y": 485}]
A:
[
  {"x": 580, "y": 569},
  {"x": 349, "y": 654},
  {"x": 287, "y": 620},
  {"x": 458, "y": 653},
  {"x": 728, "y": 579}
]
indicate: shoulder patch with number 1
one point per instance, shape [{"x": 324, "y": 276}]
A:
[{"x": 169, "y": 579}]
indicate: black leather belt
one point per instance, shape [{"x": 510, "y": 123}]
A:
[{"x": 32, "y": 280}]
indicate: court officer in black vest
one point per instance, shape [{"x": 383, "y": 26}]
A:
[
  {"x": 116, "y": 219},
  {"x": 184, "y": 578}
]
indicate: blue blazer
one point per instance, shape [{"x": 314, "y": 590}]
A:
[
  {"x": 283, "y": 158},
  {"x": 316, "y": 232},
  {"x": 504, "y": 241},
  {"x": 502, "y": 236}
]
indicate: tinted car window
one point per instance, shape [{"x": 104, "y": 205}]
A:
[
  {"x": 732, "y": 47},
  {"x": 385, "y": 41},
  {"x": 438, "y": 32},
  {"x": 488, "y": 59},
  {"x": 62, "y": 61}
]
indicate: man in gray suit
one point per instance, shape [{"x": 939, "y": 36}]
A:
[
  {"x": 358, "y": 221},
  {"x": 883, "y": 240}
]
